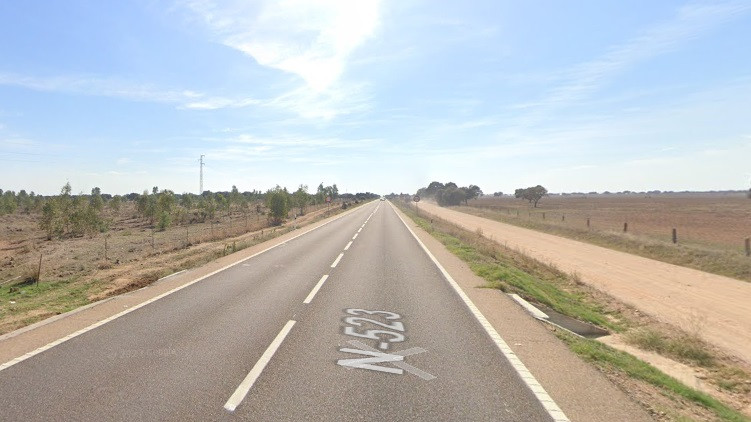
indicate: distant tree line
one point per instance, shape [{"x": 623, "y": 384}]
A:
[
  {"x": 67, "y": 214},
  {"x": 449, "y": 193}
]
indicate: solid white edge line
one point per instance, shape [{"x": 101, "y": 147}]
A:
[
  {"x": 52, "y": 344},
  {"x": 315, "y": 290},
  {"x": 336, "y": 261},
  {"x": 348, "y": 245},
  {"x": 242, "y": 390},
  {"x": 542, "y": 396},
  {"x": 172, "y": 275}
]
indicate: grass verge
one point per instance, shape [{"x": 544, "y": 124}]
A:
[
  {"x": 511, "y": 271},
  {"x": 608, "y": 359}
]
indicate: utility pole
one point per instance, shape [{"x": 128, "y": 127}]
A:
[{"x": 200, "y": 160}]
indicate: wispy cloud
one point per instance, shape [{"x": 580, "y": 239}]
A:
[
  {"x": 92, "y": 85},
  {"x": 131, "y": 91},
  {"x": 215, "y": 103},
  {"x": 690, "y": 22},
  {"x": 311, "y": 39}
]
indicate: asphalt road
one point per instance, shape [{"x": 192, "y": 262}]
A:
[{"x": 352, "y": 321}]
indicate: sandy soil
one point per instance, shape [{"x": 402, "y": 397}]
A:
[
  {"x": 717, "y": 220},
  {"x": 715, "y": 307}
]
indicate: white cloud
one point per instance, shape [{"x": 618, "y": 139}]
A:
[
  {"x": 215, "y": 103},
  {"x": 311, "y": 39},
  {"x": 91, "y": 85},
  {"x": 690, "y": 22},
  {"x": 116, "y": 88}
]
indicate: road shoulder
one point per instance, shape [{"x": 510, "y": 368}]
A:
[{"x": 582, "y": 392}]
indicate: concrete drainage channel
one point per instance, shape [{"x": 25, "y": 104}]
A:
[{"x": 547, "y": 315}]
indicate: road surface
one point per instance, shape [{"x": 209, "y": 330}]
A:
[{"x": 351, "y": 321}]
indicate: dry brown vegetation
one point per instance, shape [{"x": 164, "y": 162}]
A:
[
  {"x": 711, "y": 227},
  {"x": 75, "y": 270}
]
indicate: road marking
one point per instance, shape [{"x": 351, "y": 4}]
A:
[
  {"x": 242, "y": 390},
  {"x": 376, "y": 356},
  {"x": 171, "y": 275},
  {"x": 542, "y": 396},
  {"x": 355, "y": 236},
  {"x": 348, "y": 245},
  {"x": 315, "y": 289},
  {"x": 59, "y": 341},
  {"x": 336, "y": 261},
  {"x": 359, "y": 230}
]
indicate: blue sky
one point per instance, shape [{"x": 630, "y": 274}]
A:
[{"x": 383, "y": 96}]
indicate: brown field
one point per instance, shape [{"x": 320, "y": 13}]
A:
[
  {"x": 714, "y": 220},
  {"x": 74, "y": 270}
]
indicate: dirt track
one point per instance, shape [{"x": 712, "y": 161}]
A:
[{"x": 718, "y": 308}]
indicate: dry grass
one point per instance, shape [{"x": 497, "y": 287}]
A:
[
  {"x": 75, "y": 273},
  {"x": 715, "y": 220},
  {"x": 711, "y": 227}
]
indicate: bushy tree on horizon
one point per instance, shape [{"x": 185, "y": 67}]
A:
[{"x": 532, "y": 194}]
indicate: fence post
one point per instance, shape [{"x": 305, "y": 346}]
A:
[
  {"x": 588, "y": 224},
  {"x": 187, "y": 239},
  {"x": 625, "y": 227},
  {"x": 543, "y": 216},
  {"x": 105, "y": 247},
  {"x": 563, "y": 217},
  {"x": 152, "y": 240},
  {"x": 39, "y": 269},
  {"x": 675, "y": 236},
  {"x": 748, "y": 246}
]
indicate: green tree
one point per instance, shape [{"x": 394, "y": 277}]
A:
[
  {"x": 234, "y": 198},
  {"x": 115, "y": 203},
  {"x": 186, "y": 200},
  {"x": 165, "y": 203},
  {"x": 8, "y": 202},
  {"x": 146, "y": 206},
  {"x": 51, "y": 222},
  {"x": 301, "y": 198},
  {"x": 96, "y": 200},
  {"x": 222, "y": 202},
  {"x": 320, "y": 194},
  {"x": 278, "y": 203},
  {"x": 450, "y": 195},
  {"x": 85, "y": 219},
  {"x": 65, "y": 204},
  {"x": 24, "y": 201},
  {"x": 532, "y": 194},
  {"x": 432, "y": 189},
  {"x": 208, "y": 207}
]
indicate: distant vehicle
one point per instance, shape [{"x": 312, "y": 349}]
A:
[{"x": 383, "y": 199}]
